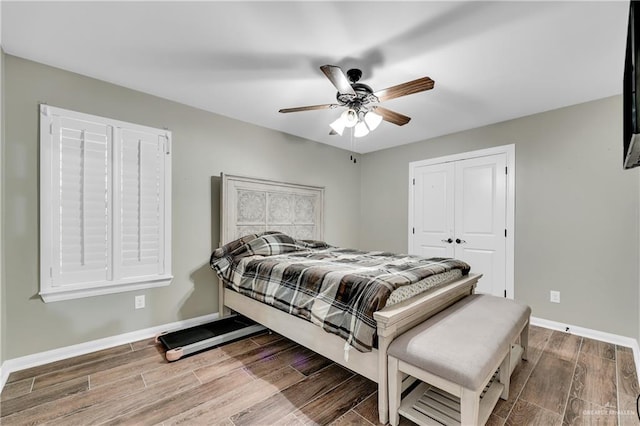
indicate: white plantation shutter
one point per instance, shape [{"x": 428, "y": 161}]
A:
[
  {"x": 141, "y": 197},
  {"x": 81, "y": 249},
  {"x": 105, "y": 205}
]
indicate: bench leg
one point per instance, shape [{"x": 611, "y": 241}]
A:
[
  {"x": 505, "y": 374},
  {"x": 524, "y": 340},
  {"x": 395, "y": 390},
  {"x": 383, "y": 388},
  {"x": 469, "y": 407}
]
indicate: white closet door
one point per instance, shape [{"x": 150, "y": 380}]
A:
[
  {"x": 480, "y": 219},
  {"x": 459, "y": 210},
  {"x": 433, "y": 211}
]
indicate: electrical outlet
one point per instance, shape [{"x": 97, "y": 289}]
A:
[
  {"x": 554, "y": 296},
  {"x": 139, "y": 301}
]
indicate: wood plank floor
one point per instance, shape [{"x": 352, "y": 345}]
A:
[{"x": 269, "y": 380}]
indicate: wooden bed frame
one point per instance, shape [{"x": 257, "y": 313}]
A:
[{"x": 391, "y": 321}]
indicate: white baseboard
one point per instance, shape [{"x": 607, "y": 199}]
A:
[
  {"x": 46, "y": 357},
  {"x": 615, "y": 339},
  {"x": 34, "y": 360},
  {"x": 4, "y": 375}
]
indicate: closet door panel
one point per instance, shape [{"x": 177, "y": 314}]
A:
[
  {"x": 480, "y": 218},
  {"x": 433, "y": 211}
]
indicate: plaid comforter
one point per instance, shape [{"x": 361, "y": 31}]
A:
[{"x": 338, "y": 289}]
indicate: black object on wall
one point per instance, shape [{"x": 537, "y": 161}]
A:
[{"x": 631, "y": 83}]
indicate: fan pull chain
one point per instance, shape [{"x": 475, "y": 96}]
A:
[{"x": 352, "y": 157}]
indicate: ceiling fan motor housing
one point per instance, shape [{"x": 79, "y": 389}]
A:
[{"x": 364, "y": 94}]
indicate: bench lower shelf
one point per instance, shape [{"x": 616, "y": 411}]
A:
[{"x": 428, "y": 405}]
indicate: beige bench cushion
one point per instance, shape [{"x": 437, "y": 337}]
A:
[{"x": 465, "y": 342}]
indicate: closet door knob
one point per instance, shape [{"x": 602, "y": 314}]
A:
[
  {"x": 447, "y": 241},
  {"x": 459, "y": 241}
]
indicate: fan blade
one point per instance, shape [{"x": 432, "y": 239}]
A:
[
  {"x": 392, "y": 116},
  {"x": 337, "y": 77},
  {"x": 309, "y": 108},
  {"x": 404, "y": 89}
]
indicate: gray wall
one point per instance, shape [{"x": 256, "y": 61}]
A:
[
  {"x": 576, "y": 210},
  {"x": 204, "y": 145},
  {"x": 577, "y": 213}
]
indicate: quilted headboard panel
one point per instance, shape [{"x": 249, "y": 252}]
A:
[{"x": 252, "y": 205}]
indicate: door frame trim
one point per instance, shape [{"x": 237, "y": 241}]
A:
[{"x": 510, "y": 151}]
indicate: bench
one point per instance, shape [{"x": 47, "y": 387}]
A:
[{"x": 456, "y": 354}]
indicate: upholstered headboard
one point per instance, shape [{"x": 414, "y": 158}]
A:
[{"x": 251, "y": 205}]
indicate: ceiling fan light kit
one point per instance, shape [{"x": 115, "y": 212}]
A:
[
  {"x": 362, "y": 123},
  {"x": 361, "y": 101}
]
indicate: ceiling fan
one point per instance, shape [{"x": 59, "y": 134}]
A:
[{"x": 363, "y": 110}]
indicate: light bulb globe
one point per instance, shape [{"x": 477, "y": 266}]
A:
[
  {"x": 338, "y": 126},
  {"x": 360, "y": 130},
  {"x": 350, "y": 117},
  {"x": 372, "y": 119}
]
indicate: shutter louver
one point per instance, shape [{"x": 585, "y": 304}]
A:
[{"x": 81, "y": 196}]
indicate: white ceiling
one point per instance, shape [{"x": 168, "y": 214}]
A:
[{"x": 491, "y": 61}]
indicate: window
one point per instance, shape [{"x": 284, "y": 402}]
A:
[{"x": 105, "y": 205}]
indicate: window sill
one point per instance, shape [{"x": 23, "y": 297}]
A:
[{"x": 81, "y": 291}]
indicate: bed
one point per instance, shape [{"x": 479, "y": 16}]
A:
[{"x": 250, "y": 208}]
